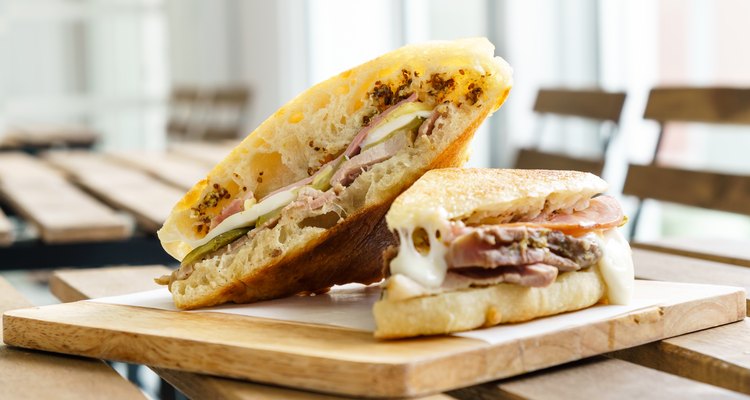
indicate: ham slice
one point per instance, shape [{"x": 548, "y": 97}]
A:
[
  {"x": 232, "y": 208},
  {"x": 352, "y": 168},
  {"x": 603, "y": 212},
  {"x": 354, "y": 146}
]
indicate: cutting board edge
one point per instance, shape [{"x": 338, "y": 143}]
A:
[{"x": 403, "y": 379}]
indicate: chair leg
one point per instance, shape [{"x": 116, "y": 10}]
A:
[{"x": 633, "y": 222}]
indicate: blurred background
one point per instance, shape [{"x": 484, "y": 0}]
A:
[
  {"x": 111, "y": 68},
  {"x": 154, "y": 92}
]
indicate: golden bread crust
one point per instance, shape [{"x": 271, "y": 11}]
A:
[
  {"x": 476, "y": 193},
  {"x": 486, "y": 306},
  {"x": 292, "y": 256}
]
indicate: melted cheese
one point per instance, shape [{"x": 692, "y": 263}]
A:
[
  {"x": 381, "y": 131},
  {"x": 247, "y": 217},
  {"x": 426, "y": 269},
  {"x": 616, "y": 267}
]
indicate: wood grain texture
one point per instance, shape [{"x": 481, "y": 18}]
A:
[
  {"x": 710, "y": 190},
  {"x": 536, "y": 159},
  {"x": 148, "y": 199},
  {"x": 178, "y": 171},
  {"x": 209, "y": 153},
  {"x": 593, "y": 104},
  {"x": 80, "y": 284},
  {"x": 6, "y": 230},
  {"x": 61, "y": 212},
  {"x": 691, "y": 104},
  {"x": 340, "y": 360},
  {"x": 728, "y": 251},
  {"x": 659, "y": 266},
  {"x": 48, "y": 135},
  {"x": 719, "y": 356},
  {"x": 597, "y": 378},
  {"x": 26, "y": 374},
  {"x": 74, "y": 285}
]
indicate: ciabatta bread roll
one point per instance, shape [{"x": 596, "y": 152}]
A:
[
  {"x": 480, "y": 247},
  {"x": 298, "y": 206}
]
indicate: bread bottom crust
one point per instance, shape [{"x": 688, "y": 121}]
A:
[{"x": 487, "y": 306}]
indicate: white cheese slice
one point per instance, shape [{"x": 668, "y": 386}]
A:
[
  {"x": 247, "y": 217},
  {"x": 383, "y": 130}
]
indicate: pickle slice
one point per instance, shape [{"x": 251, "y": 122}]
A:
[
  {"x": 215, "y": 244},
  {"x": 268, "y": 216}
]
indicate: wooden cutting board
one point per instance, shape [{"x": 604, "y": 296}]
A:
[{"x": 345, "y": 361}]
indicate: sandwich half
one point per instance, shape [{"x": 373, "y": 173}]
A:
[
  {"x": 481, "y": 247},
  {"x": 298, "y": 206}
]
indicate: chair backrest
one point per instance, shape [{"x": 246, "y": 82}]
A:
[
  {"x": 228, "y": 107},
  {"x": 593, "y": 104},
  {"x": 704, "y": 189},
  {"x": 183, "y": 104},
  {"x": 207, "y": 113},
  {"x": 536, "y": 159},
  {"x": 715, "y": 105}
]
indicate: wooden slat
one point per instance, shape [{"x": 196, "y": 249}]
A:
[
  {"x": 48, "y": 135},
  {"x": 728, "y": 251},
  {"x": 80, "y": 284},
  {"x": 659, "y": 266},
  {"x": 62, "y": 212},
  {"x": 35, "y": 375},
  {"x": 6, "y": 230},
  {"x": 710, "y": 190},
  {"x": 177, "y": 171},
  {"x": 593, "y": 104},
  {"x": 598, "y": 378},
  {"x": 209, "y": 153},
  {"x": 535, "y": 159},
  {"x": 690, "y": 104},
  {"x": 719, "y": 356},
  {"x": 149, "y": 200}
]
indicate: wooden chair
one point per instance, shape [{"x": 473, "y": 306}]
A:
[
  {"x": 710, "y": 190},
  {"x": 596, "y": 105},
  {"x": 228, "y": 109},
  {"x": 183, "y": 104},
  {"x": 207, "y": 113}
]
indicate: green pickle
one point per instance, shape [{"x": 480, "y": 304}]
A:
[
  {"x": 215, "y": 244},
  {"x": 268, "y": 216}
]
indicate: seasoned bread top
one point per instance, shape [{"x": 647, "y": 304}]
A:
[
  {"x": 477, "y": 195},
  {"x": 321, "y": 122}
]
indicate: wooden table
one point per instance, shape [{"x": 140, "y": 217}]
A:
[
  {"x": 85, "y": 208},
  {"x": 709, "y": 364},
  {"x": 730, "y": 251},
  {"x": 26, "y": 374}
]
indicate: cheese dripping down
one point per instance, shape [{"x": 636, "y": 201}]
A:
[
  {"x": 616, "y": 267},
  {"x": 428, "y": 269}
]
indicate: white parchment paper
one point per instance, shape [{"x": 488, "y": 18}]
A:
[{"x": 350, "y": 306}]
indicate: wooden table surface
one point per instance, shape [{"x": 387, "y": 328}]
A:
[
  {"x": 26, "y": 374},
  {"x": 714, "y": 363},
  {"x": 84, "y": 196},
  {"x": 729, "y": 251}
]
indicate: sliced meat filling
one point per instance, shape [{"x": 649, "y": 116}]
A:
[{"x": 525, "y": 255}]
